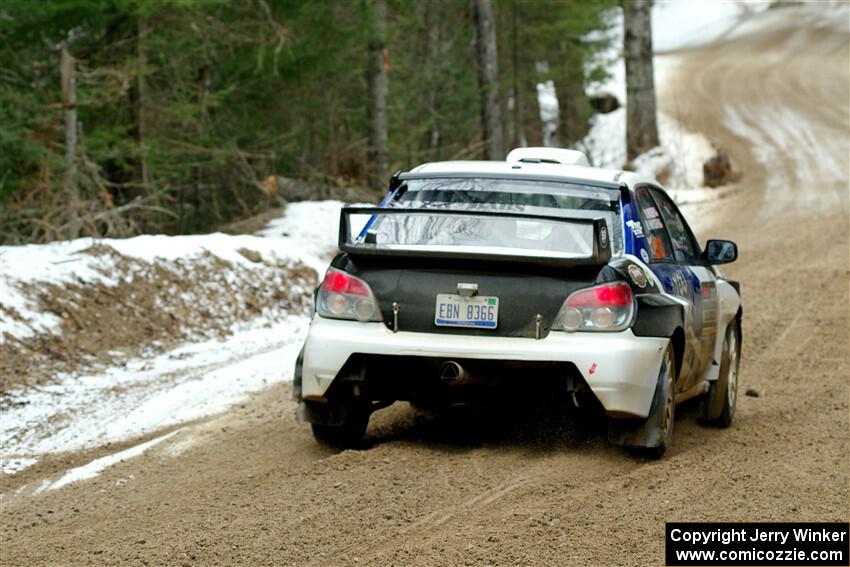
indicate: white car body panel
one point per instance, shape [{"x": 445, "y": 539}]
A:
[{"x": 620, "y": 368}]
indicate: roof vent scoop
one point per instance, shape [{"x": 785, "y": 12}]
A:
[{"x": 547, "y": 155}]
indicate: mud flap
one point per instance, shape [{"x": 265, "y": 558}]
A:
[
  {"x": 642, "y": 432},
  {"x": 716, "y": 396}
]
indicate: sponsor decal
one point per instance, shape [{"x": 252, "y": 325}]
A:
[
  {"x": 679, "y": 285},
  {"x": 654, "y": 224},
  {"x": 644, "y": 255},
  {"x": 638, "y": 276},
  {"x": 636, "y": 227}
]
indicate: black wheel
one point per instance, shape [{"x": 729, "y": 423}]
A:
[
  {"x": 723, "y": 393},
  {"x": 347, "y": 435}
]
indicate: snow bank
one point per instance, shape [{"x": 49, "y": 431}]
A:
[
  {"x": 680, "y": 157},
  {"x": 92, "y": 406},
  {"x": 83, "y": 411},
  {"x": 676, "y": 25},
  {"x": 307, "y": 233},
  {"x": 311, "y": 226},
  {"x": 681, "y": 154}
]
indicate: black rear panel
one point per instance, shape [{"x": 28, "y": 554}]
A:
[{"x": 524, "y": 291}]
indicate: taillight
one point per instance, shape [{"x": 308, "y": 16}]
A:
[
  {"x": 342, "y": 296},
  {"x": 606, "y": 307}
]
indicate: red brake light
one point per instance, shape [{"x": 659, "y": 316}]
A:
[
  {"x": 340, "y": 282},
  {"x": 342, "y": 296},
  {"x": 614, "y": 294},
  {"x": 604, "y": 307},
  {"x": 608, "y": 295}
]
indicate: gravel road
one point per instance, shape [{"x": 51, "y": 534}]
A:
[{"x": 250, "y": 487}]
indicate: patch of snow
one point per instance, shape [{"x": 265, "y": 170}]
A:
[
  {"x": 150, "y": 247},
  {"x": 84, "y": 410},
  {"x": 45, "y": 484},
  {"x": 311, "y": 226},
  {"x": 605, "y": 143},
  {"x": 97, "y": 466},
  {"x": 611, "y": 58},
  {"x": 307, "y": 232},
  {"x": 547, "y": 103},
  {"x": 179, "y": 447},
  {"x": 682, "y": 151},
  {"x": 675, "y": 25},
  {"x": 14, "y": 464},
  {"x": 146, "y": 394},
  {"x": 56, "y": 262},
  {"x": 548, "y": 100},
  {"x": 679, "y": 25},
  {"x": 653, "y": 162}
]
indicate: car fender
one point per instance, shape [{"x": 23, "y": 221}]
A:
[
  {"x": 729, "y": 307},
  {"x": 659, "y": 314}
]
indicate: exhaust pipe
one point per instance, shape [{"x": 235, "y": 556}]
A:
[{"x": 452, "y": 373}]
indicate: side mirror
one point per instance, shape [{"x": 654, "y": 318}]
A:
[{"x": 720, "y": 251}]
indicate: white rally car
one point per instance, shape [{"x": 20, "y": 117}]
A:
[{"x": 538, "y": 274}]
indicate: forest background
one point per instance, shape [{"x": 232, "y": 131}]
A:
[{"x": 121, "y": 117}]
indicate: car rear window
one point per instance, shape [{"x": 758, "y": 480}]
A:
[{"x": 546, "y": 198}]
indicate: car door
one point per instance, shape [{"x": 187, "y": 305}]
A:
[
  {"x": 701, "y": 278},
  {"x": 671, "y": 258}
]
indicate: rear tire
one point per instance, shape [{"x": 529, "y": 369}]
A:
[
  {"x": 651, "y": 437},
  {"x": 347, "y": 435},
  {"x": 663, "y": 412},
  {"x": 723, "y": 393}
]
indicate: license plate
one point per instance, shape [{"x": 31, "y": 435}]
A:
[{"x": 478, "y": 311}]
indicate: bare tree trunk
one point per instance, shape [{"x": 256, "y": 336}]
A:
[
  {"x": 69, "y": 105},
  {"x": 572, "y": 124},
  {"x": 641, "y": 127},
  {"x": 432, "y": 13},
  {"x": 141, "y": 129},
  {"x": 519, "y": 139},
  {"x": 376, "y": 75},
  {"x": 488, "y": 77}
]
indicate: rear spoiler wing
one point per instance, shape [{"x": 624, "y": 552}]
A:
[{"x": 601, "y": 246}]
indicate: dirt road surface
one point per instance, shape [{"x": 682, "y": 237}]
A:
[{"x": 250, "y": 487}]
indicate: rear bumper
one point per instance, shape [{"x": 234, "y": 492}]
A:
[{"x": 620, "y": 368}]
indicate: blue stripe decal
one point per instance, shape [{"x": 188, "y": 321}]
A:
[{"x": 373, "y": 218}]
